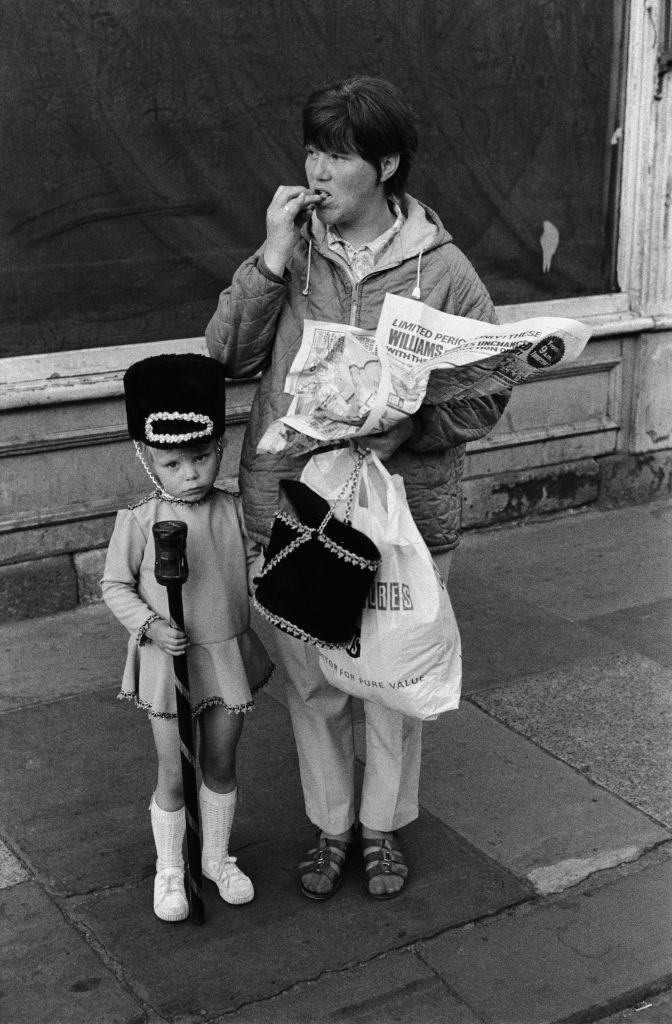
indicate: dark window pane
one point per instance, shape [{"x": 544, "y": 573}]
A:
[
  {"x": 142, "y": 141},
  {"x": 519, "y": 128}
]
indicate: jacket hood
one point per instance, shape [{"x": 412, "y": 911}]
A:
[{"x": 421, "y": 232}]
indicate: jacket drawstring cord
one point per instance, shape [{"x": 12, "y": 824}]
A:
[
  {"x": 310, "y": 253},
  {"x": 416, "y": 293}
]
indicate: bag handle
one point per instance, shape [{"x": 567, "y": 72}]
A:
[
  {"x": 347, "y": 492},
  {"x": 386, "y": 503},
  {"x": 305, "y": 532}
]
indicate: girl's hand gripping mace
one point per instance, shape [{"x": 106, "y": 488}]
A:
[{"x": 171, "y": 571}]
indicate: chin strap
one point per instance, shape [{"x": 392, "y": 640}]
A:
[{"x": 219, "y": 442}]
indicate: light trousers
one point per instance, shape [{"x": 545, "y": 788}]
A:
[{"x": 322, "y": 719}]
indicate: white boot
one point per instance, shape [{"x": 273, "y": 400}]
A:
[
  {"x": 170, "y": 898},
  {"x": 217, "y": 811}
]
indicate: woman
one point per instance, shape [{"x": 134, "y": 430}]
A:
[{"x": 332, "y": 251}]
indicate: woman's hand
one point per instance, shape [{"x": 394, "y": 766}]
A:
[
  {"x": 172, "y": 641},
  {"x": 253, "y": 572},
  {"x": 386, "y": 444},
  {"x": 289, "y": 208}
]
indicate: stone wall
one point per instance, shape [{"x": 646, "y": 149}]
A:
[{"x": 597, "y": 433}]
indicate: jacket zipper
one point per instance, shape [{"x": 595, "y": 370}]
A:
[
  {"x": 357, "y": 289},
  {"x": 356, "y": 285}
]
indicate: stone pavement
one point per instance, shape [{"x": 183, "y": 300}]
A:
[{"x": 541, "y": 886}]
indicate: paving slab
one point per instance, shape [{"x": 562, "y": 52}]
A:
[
  {"x": 523, "y": 807},
  {"x": 78, "y": 780},
  {"x": 270, "y": 795},
  {"x": 76, "y": 806},
  {"x": 653, "y": 1009},
  {"x": 60, "y": 656},
  {"x": 610, "y": 718},
  {"x": 645, "y": 628},
  {"x": 505, "y": 635},
  {"x": 11, "y": 869},
  {"x": 395, "y": 989},
  {"x": 48, "y": 973},
  {"x": 250, "y": 953},
  {"x": 77, "y": 783},
  {"x": 565, "y": 960},
  {"x": 40, "y": 587},
  {"x": 582, "y": 564}
]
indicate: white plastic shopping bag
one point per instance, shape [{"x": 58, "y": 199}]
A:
[{"x": 408, "y": 655}]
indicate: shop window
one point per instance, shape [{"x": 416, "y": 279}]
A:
[{"x": 144, "y": 140}]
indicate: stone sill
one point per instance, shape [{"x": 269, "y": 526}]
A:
[{"x": 89, "y": 374}]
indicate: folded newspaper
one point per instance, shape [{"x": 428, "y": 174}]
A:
[{"x": 348, "y": 383}]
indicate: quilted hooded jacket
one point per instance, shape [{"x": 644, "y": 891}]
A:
[{"x": 258, "y": 326}]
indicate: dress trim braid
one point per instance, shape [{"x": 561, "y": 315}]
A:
[
  {"x": 219, "y": 702},
  {"x": 211, "y": 702},
  {"x": 170, "y": 500},
  {"x": 162, "y": 495},
  {"x": 266, "y": 679},
  {"x": 142, "y": 501},
  {"x": 141, "y": 636}
]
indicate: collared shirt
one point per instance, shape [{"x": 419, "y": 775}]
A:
[{"x": 362, "y": 260}]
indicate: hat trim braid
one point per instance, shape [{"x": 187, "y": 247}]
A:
[{"x": 186, "y": 417}]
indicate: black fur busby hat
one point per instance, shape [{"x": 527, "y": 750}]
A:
[
  {"x": 173, "y": 400},
  {"x": 317, "y": 572}
]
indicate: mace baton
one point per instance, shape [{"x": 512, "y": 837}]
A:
[{"x": 171, "y": 571}]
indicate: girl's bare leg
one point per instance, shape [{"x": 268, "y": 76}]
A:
[
  {"x": 168, "y": 793},
  {"x": 220, "y": 732}
]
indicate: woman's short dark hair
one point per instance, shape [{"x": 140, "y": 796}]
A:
[{"x": 364, "y": 115}]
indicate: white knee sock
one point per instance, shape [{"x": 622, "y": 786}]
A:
[
  {"x": 168, "y": 828},
  {"x": 217, "y": 813}
]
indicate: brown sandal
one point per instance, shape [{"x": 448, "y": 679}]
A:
[
  {"x": 328, "y": 859},
  {"x": 383, "y": 857}
]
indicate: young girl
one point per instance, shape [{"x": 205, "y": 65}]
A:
[{"x": 175, "y": 414}]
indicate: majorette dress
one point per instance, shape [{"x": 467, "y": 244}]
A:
[{"x": 226, "y": 661}]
